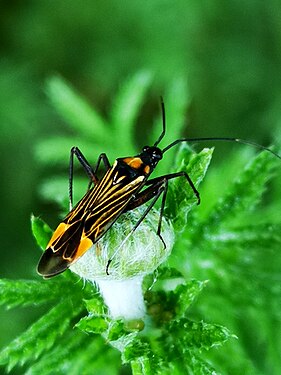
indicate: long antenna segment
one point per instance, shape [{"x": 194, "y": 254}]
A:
[
  {"x": 225, "y": 139},
  {"x": 163, "y": 123}
]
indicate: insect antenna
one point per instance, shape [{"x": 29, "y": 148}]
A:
[
  {"x": 225, "y": 139},
  {"x": 163, "y": 123}
]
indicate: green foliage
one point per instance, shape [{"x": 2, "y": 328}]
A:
[
  {"x": 180, "y": 201},
  {"x": 75, "y": 110},
  {"x": 151, "y": 351},
  {"x": 41, "y": 231},
  {"x": 40, "y": 336},
  {"x": 67, "y": 357},
  {"x": 245, "y": 193},
  {"x": 31, "y": 292},
  {"x": 226, "y": 245}
]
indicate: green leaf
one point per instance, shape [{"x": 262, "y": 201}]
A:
[
  {"x": 93, "y": 324},
  {"x": 41, "y": 231},
  {"x": 136, "y": 348},
  {"x": 181, "y": 198},
  {"x": 185, "y": 295},
  {"x": 76, "y": 353},
  {"x": 95, "y": 306},
  {"x": 40, "y": 336},
  {"x": 57, "y": 191},
  {"x": 118, "y": 334},
  {"x": 60, "y": 356},
  {"x": 56, "y": 151},
  {"x": 197, "y": 366},
  {"x": 164, "y": 306},
  {"x": 200, "y": 335},
  {"x": 253, "y": 235},
  {"x": 30, "y": 292},
  {"x": 127, "y": 105},
  {"x": 75, "y": 110},
  {"x": 164, "y": 278},
  {"x": 141, "y": 366},
  {"x": 245, "y": 193}
]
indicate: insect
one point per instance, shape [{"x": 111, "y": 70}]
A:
[{"x": 124, "y": 186}]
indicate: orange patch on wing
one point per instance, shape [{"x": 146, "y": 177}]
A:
[
  {"x": 133, "y": 162},
  {"x": 84, "y": 245},
  {"x": 57, "y": 233}
]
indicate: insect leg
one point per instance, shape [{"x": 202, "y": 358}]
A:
[
  {"x": 158, "y": 186},
  {"x": 153, "y": 192},
  {"x": 106, "y": 163},
  {"x": 157, "y": 189},
  {"x": 89, "y": 170},
  {"x": 148, "y": 193},
  {"x": 175, "y": 175}
]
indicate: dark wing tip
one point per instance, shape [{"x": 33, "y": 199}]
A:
[{"x": 51, "y": 264}]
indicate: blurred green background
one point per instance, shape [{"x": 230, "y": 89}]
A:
[{"x": 229, "y": 52}]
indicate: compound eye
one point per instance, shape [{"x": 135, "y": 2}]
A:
[
  {"x": 145, "y": 149},
  {"x": 156, "y": 155}
]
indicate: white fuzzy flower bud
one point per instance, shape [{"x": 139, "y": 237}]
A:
[{"x": 133, "y": 256}]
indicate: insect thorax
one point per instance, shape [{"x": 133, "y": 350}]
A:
[{"x": 132, "y": 167}]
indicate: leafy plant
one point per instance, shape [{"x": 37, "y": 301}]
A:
[{"x": 223, "y": 242}]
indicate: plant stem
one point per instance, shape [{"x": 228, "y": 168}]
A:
[{"x": 124, "y": 298}]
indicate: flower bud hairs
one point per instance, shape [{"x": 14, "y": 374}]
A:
[{"x": 111, "y": 237}]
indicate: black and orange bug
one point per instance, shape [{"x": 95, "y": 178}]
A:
[{"x": 124, "y": 186}]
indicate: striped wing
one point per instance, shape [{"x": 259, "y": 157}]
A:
[{"x": 88, "y": 221}]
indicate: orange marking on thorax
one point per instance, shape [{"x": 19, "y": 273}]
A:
[
  {"x": 146, "y": 169},
  {"x": 134, "y": 162}
]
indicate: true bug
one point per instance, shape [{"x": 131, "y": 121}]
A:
[{"x": 124, "y": 186}]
